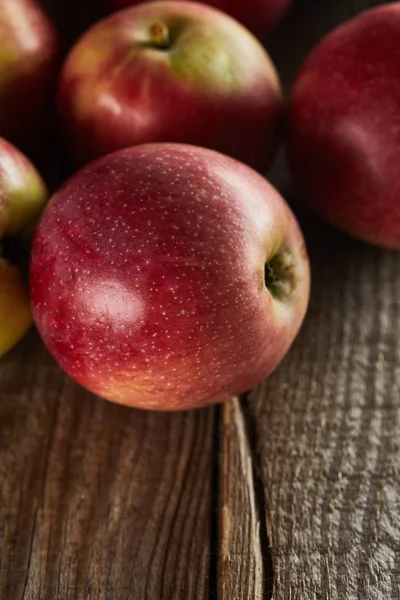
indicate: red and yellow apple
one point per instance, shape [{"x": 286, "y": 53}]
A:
[
  {"x": 28, "y": 64},
  {"x": 260, "y": 16},
  {"x": 167, "y": 276},
  {"x": 171, "y": 72},
  {"x": 22, "y": 197},
  {"x": 344, "y": 127}
]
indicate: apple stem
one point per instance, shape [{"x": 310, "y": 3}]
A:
[{"x": 160, "y": 35}]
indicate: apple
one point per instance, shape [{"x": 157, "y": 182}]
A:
[
  {"x": 171, "y": 72},
  {"x": 22, "y": 197},
  {"x": 344, "y": 127},
  {"x": 167, "y": 277},
  {"x": 260, "y": 16},
  {"x": 28, "y": 67}
]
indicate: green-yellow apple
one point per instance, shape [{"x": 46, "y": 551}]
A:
[
  {"x": 167, "y": 276},
  {"x": 28, "y": 67},
  {"x": 22, "y": 197},
  {"x": 344, "y": 126},
  {"x": 260, "y": 16},
  {"x": 171, "y": 72}
]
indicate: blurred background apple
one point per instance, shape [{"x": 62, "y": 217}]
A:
[
  {"x": 22, "y": 197},
  {"x": 171, "y": 71},
  {"x": 29, "y": 53},
  {"x": 344, "y": 127}
]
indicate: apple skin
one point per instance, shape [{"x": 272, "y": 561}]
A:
[
  {"x": 22, "y": 197},
  {"x": 259, "y": 16},
  {"x": 29, "y": 59},
  {"x": 215, "y": 86},
  {"x": 147, "y": 277},
  {"x": 343, "y": 134}
]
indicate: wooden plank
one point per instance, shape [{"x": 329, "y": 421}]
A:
[
  {"x": 241, "y": 568},
  {"x": 327, "y": 429},
  {"x": 322, "y": 434},
  {"x": 98, "y": 501}
]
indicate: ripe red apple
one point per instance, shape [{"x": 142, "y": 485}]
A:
[
  {"x": 22, "y": 197},
  {"x": 344, "y": 127},
  {"x": 260, "y": 16},
  {"x": 167, "y": 276},
  {"x": 171, "y": 72},
  {"x": 28, "y": 63}
]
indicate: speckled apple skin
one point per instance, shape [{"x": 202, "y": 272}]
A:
[
  {"x": 344, "y": 127},
  {"x": 147, "y": 277},
  {"x": 260, "y": 16},
  {"x": 29, "y": 59},
  {"x": 22, "y": 197},
  {"x": 216, "y": 87}
]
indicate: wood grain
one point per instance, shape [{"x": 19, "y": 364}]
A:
[
  {"x": 241, "y": 568},
  {"x": 98, "y": 501},
  {"x": 325, "y": 428},
  {"x": 328, "y": 434}
]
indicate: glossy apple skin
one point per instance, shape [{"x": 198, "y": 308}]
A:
[
  {"x": 215, "y": 87},
  {"x": 147, "y": 277},
  {"x": 344, "y": 127},
  {"x": 29, "y": 53},
  {"x": 259, "y": 16},
  {"x": 22, "y": 197}
]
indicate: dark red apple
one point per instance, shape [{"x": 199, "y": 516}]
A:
[
  {"x": 28, "y": 65},
  {"x": 168, "y": 277},
  {"x": 344, "y": 127},
  {"x": 260, "y": 16},
  {"x": 171, "y": 72},
  {"x": 22, "y": 198}
]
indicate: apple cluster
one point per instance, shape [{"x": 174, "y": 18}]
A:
[{"x": 167, "y": 273}]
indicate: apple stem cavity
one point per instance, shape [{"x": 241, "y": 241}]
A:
[
  {"x": 160, "y": 36},
  {"x": 279, "y": 275}
]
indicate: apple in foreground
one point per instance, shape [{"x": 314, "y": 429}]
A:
[
  {"x": 260, "y": 16},
  {"x": 168, "y": 277},
  {"x": 28, "y": 69},
  {"x": 171, "y": 72},
  {"x": 22, "y": 197},
  {"x": 344, "y": 127}
]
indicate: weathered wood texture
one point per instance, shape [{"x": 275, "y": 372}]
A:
[
  {"x": 324, "y": 430},
  {"x": 328, "y": 433},
  {"x": 98, "y": 501},
  {"x": 240, "y": 559}
]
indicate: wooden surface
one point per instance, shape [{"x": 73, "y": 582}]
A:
[{"x": 292, "y": 493}]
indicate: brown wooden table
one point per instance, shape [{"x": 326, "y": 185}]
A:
[{"x": 291, "y": 493}]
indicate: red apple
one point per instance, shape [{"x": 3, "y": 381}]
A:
[
  {"x": 22, "y": 197},
  {"x": 344, "y": 127},
  {"x": 171, "y": 71},
  {"x": 260, "y": 16},
  {"x": 28, "y": 63},
  {"x": 168, "y": 277}
]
